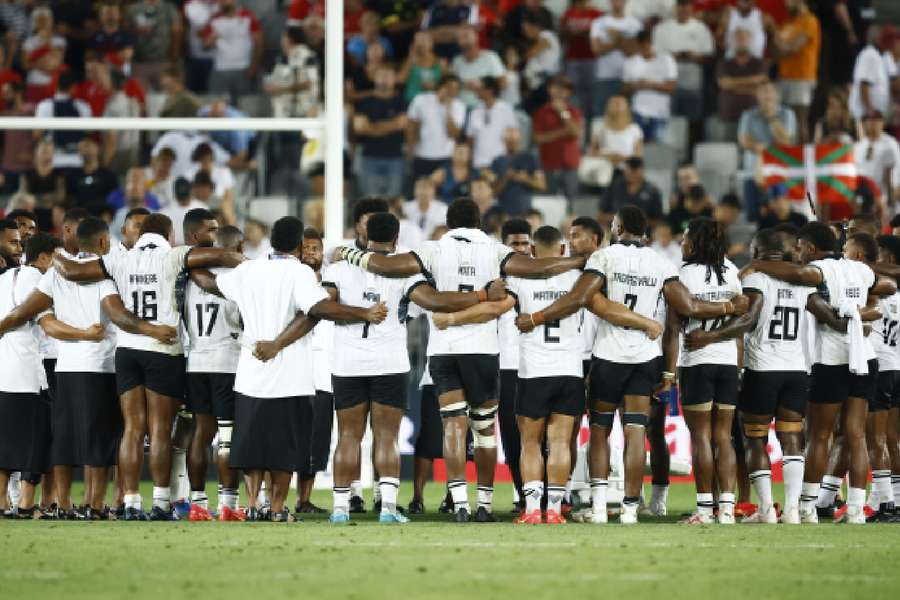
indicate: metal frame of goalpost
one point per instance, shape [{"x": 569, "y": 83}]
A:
[{"x": 330, "y": 127}]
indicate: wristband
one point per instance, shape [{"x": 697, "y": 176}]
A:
[
  {"x": 729, "y": 307},
  {"x": 668, "y": 376},
  {"x": 537, "y": 318},
  {"x": 482, "y": 295}
]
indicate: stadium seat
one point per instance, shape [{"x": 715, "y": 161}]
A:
[
  {"x": 269, "y": 209},
  {"x": 717, "y": 165},
  {"x": 675, "y": 135},
  {"x": 661, "y": 178},
  {"x": 660, "y": 156},
  {"x": 552, "y": 207},
  {"x": 585, "y": 206}
]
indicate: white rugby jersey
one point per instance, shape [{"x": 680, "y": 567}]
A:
[
  {"x": 322, "y": 344},
  {"x": 367, "y": 349},
  {"x": 213, "y": 327},
  {"x": 508, "y": 336},
  {"x": 145, "y": 277},
  {"x": 777, "y": 341},
  {"x": 269, "y": 291},
  {"x": 703, "y": 283},
  {"x": 589, "y": 325},
  {"x": 463, "y": 260},
  {"x": 553, "y": 349},
  {"x": 78, "y": 305},
  {"x": 884, "y": 334},
  {"x": 21, "y": 369},
  {"x": 634, "y": 275},
  {"x": 846, "y": 281}
]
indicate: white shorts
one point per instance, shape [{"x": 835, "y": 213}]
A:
[{"x": 796, "y": 92}]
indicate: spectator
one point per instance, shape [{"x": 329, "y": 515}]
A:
[
  {"x": 7, "y": 75},
  {"x": 691, "y": 43},
  {"x": 877, "y": 156},
  {"x": 42, "y": 56},
  {"x": 222, "y": 195},
  {"x": 18, "y": 144},
  {"x": 369, "y": 34},
  {"x": 399, "y": 21},
  {"x": 424, "y": 209},
  {"x": 43, "y": 36},
  {"x": 89, "y": 185},
  {"x": 518, "y": 175},
  {"x": 651, "y": 11},
  {"x": 798, "y": 43},
  {"x": 203, "y": 189},
  {"x": 112, "y": 42},
  {"x": 179, "y": 102},
  {"x": 294, "y": 81},
  {"x": 632, "y": 188},
  {"x": 133, "y": 195},
  {"x": 558, "y": 130},
  {"x": 781, "y": 210},
  {"x": 650, "y": 77},
  {"x": 686, "y": 176},
  {"x": 435, "y": 122},
  {"x": 199, "y": 60},
  {"x": 237, "y": 38},
  {"x": 836, "y": 126},
  {"x": 512, "y": 92},
  {"x": 14, "y": 16},
  {"x": 444, "y": 20},
  {"x": 256, "y": 239},
  {"x": 612, "y": 37},
  {"x": 63, "y": 105},
  {"x": 665, "y": 243},
  {"x": 871, "y": 82},
  {"x": 97, "y": 88},
  {"x": 738, "y": 232},
  {"x": 184, "y": 203},
  {"x": 695, "y": 203},
  {"x": 488, "y": 122},
  {"x": 409, "y": 236},
  {"x": 486, "y": 22},
  {"x": 542, "y": 54},
  {"x": 738, "y": 78},
  {"x": 473, "y": 64},
  {"x": 361, "y": 83},
  {"x": 454, "y": 179},
  {"x": 513, "y": 22},
  {"x": 379, "y": 123},
  {"x": 744, "y": 15},
  {"x": 157, "y": 46},
  {"x": 46, "y": 183},
  {"x": 575, "y": 32},
  {"x": 183, "y": 144},
  {"x": 236, "y": 143},
  {"x": 299, "y": 10},
  {"x": 158, "y": 176},
  {"x": 615, "y": 136},
  {"x": 483, "y": 194},
  {"x": 422, "y": 69},
  {"x": 769, "y": 123},
  {"x": 120, "y": 148}
]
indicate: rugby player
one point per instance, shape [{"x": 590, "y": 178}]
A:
[
  {"x": 624, "y": 369},
  {"x": 26, "y": 222}
]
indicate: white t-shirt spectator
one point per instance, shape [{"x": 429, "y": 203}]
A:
[
  {"x": 486, "y": 128},
  {"x": 623, "y": 143},
  {"x": 874, "y": 157},
  {"x": 649, "y": 9},
  {"x": 693, "y": 35},
  {"x": 659, "y": 69},
  {"x": 183, "y": 144},
  {"x": 234, "y": 39},
  {"x": 870, "y": 68},
  {"x": 609, "y": 66},
  {"x": 431, "y": 115},
  {"x": 198, "y": 13},
  {"x": 545, "y": 63},
  {"x": 753, "y": 23},
  {"x": 428, "y": 220},
  {"x": 176, "y": 213},
  {"x": 488, "y": 64},
  {"x": 222, "y": 178}
]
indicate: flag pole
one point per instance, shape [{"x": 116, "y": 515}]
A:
[{"x": 812, "y": 205}]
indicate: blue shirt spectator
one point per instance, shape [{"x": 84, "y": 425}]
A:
[{"x": 234, "y": 142}]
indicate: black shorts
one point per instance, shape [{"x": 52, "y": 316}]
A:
[
  {"x": 586, "y": 368},
  {"x": 430, "y": 440},
  {"x": 833, "y": 384},
  {"x": 611, "y": 382},
  {"x": 24, "y": 433},
  {"x": 50, "y": 372},
  {"x": 211, "y": 394},
  {"x": 541, "y": 396},
  {"x": 477, "y": 375},
  {"x": 709, "y": 383},
  {"x": 887, "y": 395},
  {"x": 158, "y": 372},
  {"x": 87, "y": 420},
  {"x": 764, "y": 392},
  {"x": 268, "y": 433},
  {"x": 316, "y": 421},
  {"x": 389, "y": 390}
]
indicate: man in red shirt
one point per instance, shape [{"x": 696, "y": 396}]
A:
[
  {"x": 97, "y": 87},
  {"x": 235, "y": 36},
  {"x": 558, "y": 129},
  {"x": 575, "y": 30}
]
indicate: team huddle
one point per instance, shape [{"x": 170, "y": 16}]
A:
[{"x": 107, "y": 346}]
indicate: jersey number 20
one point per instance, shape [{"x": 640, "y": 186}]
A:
[{"x": 784, "y": 323}]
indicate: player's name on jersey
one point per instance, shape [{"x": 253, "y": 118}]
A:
[
  {"x": 853, "y": 292},
  {"x": 715, "y": 295},
  {"x": 143, "y": 278},
  {"x": 785, "y": 294},
  {"x": 639, "y": 280},
  {"x": 548, "y": 294},
  {"x": 467, "y": 270}
]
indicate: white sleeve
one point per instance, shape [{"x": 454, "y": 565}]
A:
[
  {"x": 667, "y": 269},
  {"x": 496, "y": 67},
  {"x": 229, "y": 283},
  {"x": 754, "y": 281},
  {"x": 671, "y": 68},
  {"x": 868, "y": 274},
  {"x": 427, "y": 253},
  {"x": 175, "y": 261},
  {"x": 415, "y": 109},
  {"x": 412, "y": 282},
  {"x": 44, "y": 109},
  {"x": 503, "y": 252},
  {"x": 45, "y": 285},
  {"x": 112, "y": 261},
  {"x": 226, "y": 178},
  {"x": 27, "y": 282},
  {"x": 458, "y": 112},
  {"x": 598, "y": 32},
  {"x": 707, "y": 46},
  {"x": 597, "y": 263},
  {"x": 107, "y": 288},
  {"x": 307, "y": 290}
]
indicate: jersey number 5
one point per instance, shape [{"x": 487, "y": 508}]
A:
[{"x": 144, "y": 305}]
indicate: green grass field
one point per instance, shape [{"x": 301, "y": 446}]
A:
[{"x": 432, "y": 558}]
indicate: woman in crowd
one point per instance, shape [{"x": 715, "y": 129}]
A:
[
  {"x": 422, "y": 69},
  {"x": 615, "y": 136},
  {"x": 222, "y": 178},
  {"x": 454, "y": 180}
]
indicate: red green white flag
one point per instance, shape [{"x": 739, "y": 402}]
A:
[{"x": 827, "y": 171}]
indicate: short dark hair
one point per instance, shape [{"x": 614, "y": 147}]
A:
[
  {"x": 21, "y": 212},
  {"x": 287, "y": 234},
  {"x": 891, "y": 243},
  {"x": 135, "y": 212},
  {"x": 547, "y": 235},
  {"x": 867, "y": 243},
  {"x": 463, "y": 213},
  {"x": 591, "y": 225},
  {"x": 157, "y": 223},
  {"x": 819, "y": 235},
  {"x": 203, "y": 178},
  {"x": 76, "y": 214},
  {"x": 311, "y": 233},
  {"x": 202, "y": 149},
  {"x": 769, "y": 240},
  {"x": 382, "y": 228},
  {"x": 515, "y": 227},
  {"x": 448, "y": 78},
  {"x": 369, "y": 205},
  {"x": 194, "y": 218},
  {"x": 8, "y": 223},
  {"x": 182, "y": 187},
  {"x": 89, "y": 229},
  {"x": 65, "y": 81},
  {"x": 633, "y": 219},
  {"x": 644, "y": 36},
  {"x": 229, "y": 236},
  {"x": 787, "y": 229},
  {"x": 40, "y": 243},
  {"x": 492, "y": 84}
]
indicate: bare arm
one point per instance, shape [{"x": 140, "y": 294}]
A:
[
  {"x": 823, "y": 313},
  {"x": 62, "y": 331},
  {"x": 126, "y": 321},
  {"x": 206, "y": 281},
  {"x": 681, "y": 301},
  {"x": 884, "y": 286},
  {"x": 91, "y": 270},
  {"x": 335, "y": 311},
  {"x": 448, "y": 302},
  {"x": 785, "y": 271},
  {"x": 299, "y": 326},
  {"x": 618, "y": 314},
  {"x": 732, "y": 329},
  {"x": 36, "y": 303},
  {"x": 205, "y": 258},
  {"x": 583, "y": 292},
  {"x": 479, "y": 313},
  {"x": 670, "y": 341},
  {"x": 518, "y": 265},
  {"x": 870, "y": 312}
]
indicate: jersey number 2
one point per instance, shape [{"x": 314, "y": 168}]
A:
[{"x": 144, "y": 305}]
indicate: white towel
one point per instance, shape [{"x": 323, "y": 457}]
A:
[{"x": 857, "y": 341}]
